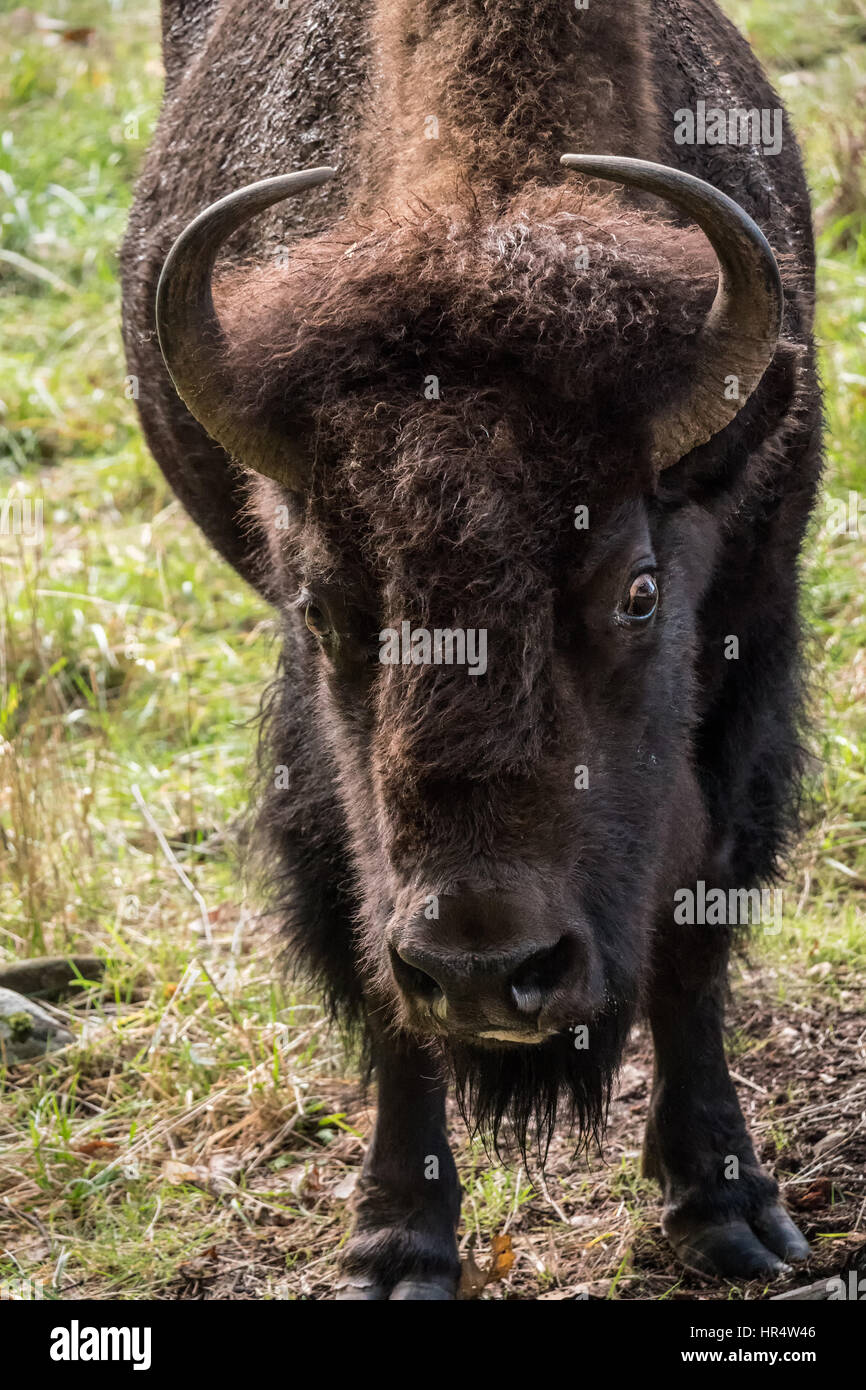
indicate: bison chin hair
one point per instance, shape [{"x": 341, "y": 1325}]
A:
[{"x": 512, "y": 1097}]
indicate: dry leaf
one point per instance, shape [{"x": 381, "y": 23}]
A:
[
  {"x": 95, "y": 1146},
  {"x": 216, "y": 1177},
  {"x": 815, "y": 1197},
  {"x": 472, "y": 1279},
  {"x": 305, "y": 1181},
  {"x": 221, "y": 1170},
  {"x": 178, "y": 1173},
  {"x": 503, "y": 1258},
  {"x": 831, "y": 1140},
  {"x": 346, "y": 1186}
]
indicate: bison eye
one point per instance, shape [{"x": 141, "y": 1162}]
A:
[
  {"x": 641, "y": 600},
  {"x": 316, "y": 621}
]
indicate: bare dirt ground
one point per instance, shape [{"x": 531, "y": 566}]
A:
[{"x": 591, "y": 1228}]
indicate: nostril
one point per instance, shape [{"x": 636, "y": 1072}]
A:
[
  {"x": 536, "y": 977},
  {"x": 414, "y": 981}
]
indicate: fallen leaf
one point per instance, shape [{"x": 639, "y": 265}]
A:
[
  {"x": 815, "y": 1197},
  {"x": 472, "y": 1279},
  {"x": 178, "y": 1173},
  {"x": 95, "y": 1146},
  {"x": 304, "y": 1181},
  {"x": 503, "y": 1258},
  {"x": 221, "y": 1170},
  {"x": 344, "y": 1189},
  {"x": 830, "y": 1140}
]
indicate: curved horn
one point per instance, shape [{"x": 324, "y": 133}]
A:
[
  {"x": 739, "y": 335},
  {"x": 190, "y": 334}
]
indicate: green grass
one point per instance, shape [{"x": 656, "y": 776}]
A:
[
  {"x": 797, "y": 33},
  {"x": 132, "y": 657}
]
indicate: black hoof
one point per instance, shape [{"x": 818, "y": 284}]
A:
[
  {"x": 418, "y": 1290},
  {"x": 369, "y": 1293},
  {"x": 761, "y": 1247},
  {"x": 422, "y": 1291},
  {"x": 399, "y": 1264}
]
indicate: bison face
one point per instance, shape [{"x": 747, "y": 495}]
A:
[
  {"x": 513, "y": 829},
  {"x": 474, "y": 434}
]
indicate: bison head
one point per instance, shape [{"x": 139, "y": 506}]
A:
[{"x": 488, "y": 461}]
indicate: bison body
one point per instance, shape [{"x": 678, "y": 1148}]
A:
[{"x": 463, "y": 389}]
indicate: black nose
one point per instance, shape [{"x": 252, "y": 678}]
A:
[
  {"x": 518, "y": 981},
  {"x": 482, "y": 965}
]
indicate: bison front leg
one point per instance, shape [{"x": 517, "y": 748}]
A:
[
  {"x": 722, "y": 1212},
  {"x": 404, "y": 1243}
]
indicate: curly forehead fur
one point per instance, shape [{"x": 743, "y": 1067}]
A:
[{"x": 560, "y": 316}]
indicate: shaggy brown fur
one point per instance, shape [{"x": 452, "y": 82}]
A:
[
  {"x": 534, "y": 355},
  {"x": 505, "y": 85},
  {"x": 557, "y": 322}
]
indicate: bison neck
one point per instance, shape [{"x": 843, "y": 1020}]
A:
[{"x": 493, "y": 91}]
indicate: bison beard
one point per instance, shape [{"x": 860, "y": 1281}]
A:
[{"x": 514, "y": 1097}]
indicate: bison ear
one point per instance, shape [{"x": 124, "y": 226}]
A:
[
  {"x": 192, "y": 340},
  {"x": 738, "y": 338},
  {"x": 713, "y": 478}
]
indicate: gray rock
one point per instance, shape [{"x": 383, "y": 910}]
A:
[
  {"x": 49, "y": 977},
  {"x": 26, "y": 1031}
]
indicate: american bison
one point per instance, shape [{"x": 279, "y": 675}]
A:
[{"x": 467, "y": 398}]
